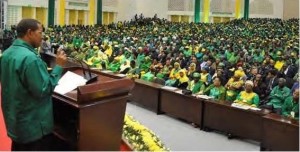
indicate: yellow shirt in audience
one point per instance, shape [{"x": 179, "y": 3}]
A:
[{"x": 278, "y": 65}]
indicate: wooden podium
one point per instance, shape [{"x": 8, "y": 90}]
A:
[{"x": 92, "y": 116}]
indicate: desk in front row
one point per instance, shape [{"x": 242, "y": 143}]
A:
[
  {"x": 220, "y": 115},
  {"x": 280, "y": 133},
  {"x": 146, "y": 94},
  {"x": 185, "y": 107}
]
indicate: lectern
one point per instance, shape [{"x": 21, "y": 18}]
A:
[{"x": 91, "y": 117}]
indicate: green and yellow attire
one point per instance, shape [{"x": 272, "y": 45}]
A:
[
  {"x": 94, "y": 61},
  {"x": 205, "y": 78},
  {"x": 290, "y": 107},
  {"x": 258, "y": 58},
  {"x": 218, "y": 93},
  {"x": 278, "y": 65},
  {"x": 140, "y": 58},
  {"x": 278, "y": 95},
  {"x": 163, "y": 72},
  {"x": 114, "y": 66},
  {"x": 108, "y": 51},
  {"x": 183, "y": 79},
  {"x": 174, "y": 75},
  {"x": 196, "y": 87},
  {"x": 90, "y": 53},
  {"x": 250, "y": 99},
  {"x": 231, "y": 94},
  {"x": 145, "y": 66},
  {"x": 148, "y": 76},
  {"x": 77, "y": 42},
  {"x": 27, "y": 92},
  {"x": 187, "y": 52}
]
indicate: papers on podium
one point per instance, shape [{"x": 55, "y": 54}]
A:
[{"x": 68, "y": 82}]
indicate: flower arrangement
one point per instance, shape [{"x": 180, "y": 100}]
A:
[{"x": 139, "y": 137}]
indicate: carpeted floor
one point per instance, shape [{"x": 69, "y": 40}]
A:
[{"x": 181, "y": 136}]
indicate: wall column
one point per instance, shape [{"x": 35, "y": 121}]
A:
[
  {"x": 246, "y": 9},
  {"x": 92, "y": 12},
  {"x": 206, "y": 11},
  {"x": 238, "y": 9},
  {"x": 197, "y": 11},
  {"x": 61, "y": 12},
  {"x": 99, "y": 11},
  {"x": 51, "y": 8}
]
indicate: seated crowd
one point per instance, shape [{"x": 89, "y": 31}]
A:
[{"x": 254, "y": 62}]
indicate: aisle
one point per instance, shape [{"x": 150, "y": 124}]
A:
[{"x": 180, "y": 136}]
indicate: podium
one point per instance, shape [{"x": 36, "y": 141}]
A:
[{"x": 92, "y": 116}]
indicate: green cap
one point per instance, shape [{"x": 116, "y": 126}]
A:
[{"x": 196, "y": 75}]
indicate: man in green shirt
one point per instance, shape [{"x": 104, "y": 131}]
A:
[
  {"x": 196, "y": 86},
  {"x": 277, "y": 96},
  {"x": 27, "y": 88},
  {"x": 290, "y": 107}
]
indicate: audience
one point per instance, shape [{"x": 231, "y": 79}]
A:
[{"x": 259, "y": 56}]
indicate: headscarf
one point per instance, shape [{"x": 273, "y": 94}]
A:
[
  {"x": 196, "y": 75},
  {"x": 184, "y": 78},
  {"x": 249, "y": 83}
]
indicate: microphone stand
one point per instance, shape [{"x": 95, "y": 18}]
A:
[{"x": 88, "y": 75}]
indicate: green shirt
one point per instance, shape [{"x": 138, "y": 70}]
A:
[
  {"x": 77, "y": 42},
  {"x": 26, "y": 92},
  {"x": 114, "y": 66},
  {"x": 248, "y": 98},
  {"x": 278, "y": 95},
  {"x": 148, "y": 76},
  {"x": 290, "y": 107},
  {"x": 187, "y": 53},
  {"x": 196, "y": 87},
  {"x": 218, "y": 93},
  {"x": 140, "y": 58}
]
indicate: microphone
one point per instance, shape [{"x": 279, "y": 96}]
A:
[{"x": 87, "y": 74}]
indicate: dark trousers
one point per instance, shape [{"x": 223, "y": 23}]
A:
[{"x": 44, "y": 144}]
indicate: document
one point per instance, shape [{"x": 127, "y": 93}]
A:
[
  {"x": 204, "y": 97},
  {"x": 254, "y": 108},
  {"x": 169, "y": 88},
  {"x": 179, "y": 91},
  {"x": 241, "y": 106},
  {"x": 68, "y": 82}
]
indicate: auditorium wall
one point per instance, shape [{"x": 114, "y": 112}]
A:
[
  {"x": 32, "y": 3},
  {"x": 266, "y": 8},
  {"x": 18, "y": 9},
  {"x": 291, "y": 9},
  {"x": 120, "y": 10},
  {"x": 128, "y": 8}
]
